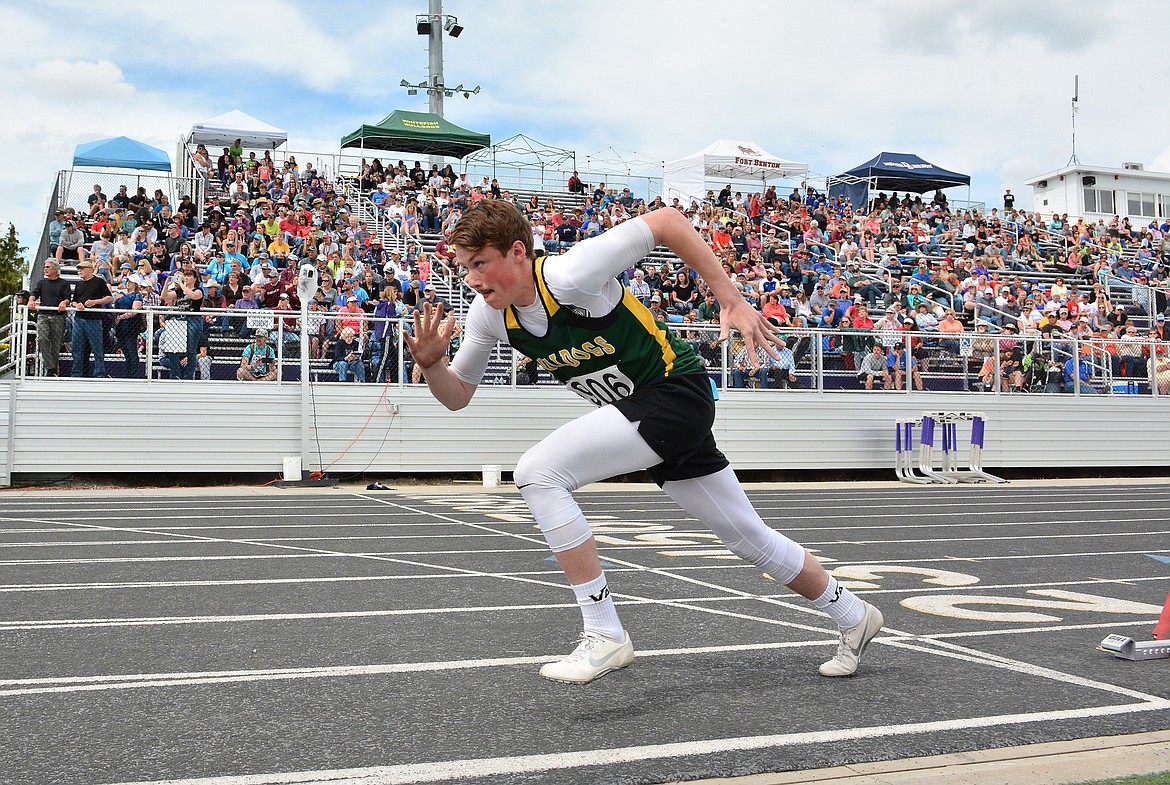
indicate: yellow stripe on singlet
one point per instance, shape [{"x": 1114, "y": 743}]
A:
[
  {"x": 646, "y": 319},
  {"x": 550, "y": 304}
]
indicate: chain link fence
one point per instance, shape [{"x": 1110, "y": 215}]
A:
[{"x": 264, "y": 345}]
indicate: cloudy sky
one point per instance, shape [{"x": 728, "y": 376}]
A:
[{"x": 977, "y": 87}]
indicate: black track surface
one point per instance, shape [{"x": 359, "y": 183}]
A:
[{"x": 395, "y": 637}]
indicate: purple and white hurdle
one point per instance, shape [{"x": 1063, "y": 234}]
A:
[{"x": 947, "y": 423}]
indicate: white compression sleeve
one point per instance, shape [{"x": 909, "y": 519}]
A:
[
  {"x": 597, "y": 445},
  {"x": 719, "y": 502}
]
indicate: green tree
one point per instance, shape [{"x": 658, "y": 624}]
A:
[{"x": 12, "y": 267}]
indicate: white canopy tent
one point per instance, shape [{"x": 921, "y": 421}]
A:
[
  {"x": 723, "y": 160},
  {"x": 223, "y": 130}
]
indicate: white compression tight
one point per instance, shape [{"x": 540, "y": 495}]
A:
[
  {"x": 719, "y": 502},
  {"x": 603, "y": 443},
  {"x": 600, "y": 444}
]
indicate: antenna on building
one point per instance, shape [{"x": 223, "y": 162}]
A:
[{"x": 1075, "y": 98}]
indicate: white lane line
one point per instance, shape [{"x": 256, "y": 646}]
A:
[
  {"x": 181, "y": 508},
  {"x": 159, "y": 621},
  {"x": 606, "y": 551},
  {"x": 261, "y": 527},
  {"x": 13, "y": 687},
  {"x": 494, "y": 533},
  {"x": 483, "y": 768},
  {"x": 953, "y": 651},
  {"x": 64, "y": 520},
  {"x": 625, "y": 520},
  {"x": 1104, "y": 625},
  {"x": 915, "y": 589},
  {"x": 251, "y": 540}
]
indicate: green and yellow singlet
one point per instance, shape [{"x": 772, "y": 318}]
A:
[{"x": 602, "y": 359}]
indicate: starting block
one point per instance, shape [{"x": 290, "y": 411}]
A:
[{"x": 1129, "y": 649}]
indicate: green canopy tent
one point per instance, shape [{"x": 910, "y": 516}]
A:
[{"x": 417, "y": 132}]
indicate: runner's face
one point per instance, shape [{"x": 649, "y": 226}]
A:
[{"x": 502, "y": 279}]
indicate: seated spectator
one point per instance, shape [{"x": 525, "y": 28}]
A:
[
  {"x": 772, "y": 309},
  {"x": 1132, "y": 353},
  {"x": 708, "y": 310},
  {"x": 251, "y": 301},
  {"x": 567, "y": 235},
  {"x": 659, "y": 314},
  {"x": 952, "y": 327},
  {"x": 896, "y": 362},
  {"x": 347, "y": 357},
  {"x": 746, "y": 364},
  {"x": 71, "y": 243},
  {"x": 855, "y": 342},
  {"x": 640, "y": 289},
  {"x": 683, "y": 293},
  {"x": 874, "y": 366},
  {"x": 1159, "y": 367},
  {"x": 782, "y": 369},
  {"x": 258, "y": 362},
  {"x": 1084, "y": 371}
]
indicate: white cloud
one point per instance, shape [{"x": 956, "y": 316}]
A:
[
  {"x": 982, "y": 88},
  {"x": 78, "y": 82}
]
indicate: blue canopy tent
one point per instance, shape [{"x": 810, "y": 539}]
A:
[
  {"x": 121, "y": 152},
  {"x": 892, "y": 172}
]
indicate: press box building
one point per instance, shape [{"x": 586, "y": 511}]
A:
[{"x": 1094, "y": 192}]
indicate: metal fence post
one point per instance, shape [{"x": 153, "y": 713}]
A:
[
  {"x": 998, "y": 368},
  {"x": 149, "y": 344},
  {"x": 1076, "y": 365}
]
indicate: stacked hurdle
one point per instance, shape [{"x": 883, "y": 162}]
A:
[{"x": 923, "y": 471}]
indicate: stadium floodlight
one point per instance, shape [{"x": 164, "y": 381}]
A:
[
  {"x": 448, "y": 93},
  {"x": 423, "y": 25},
  {"x": 404, "y": 83},
  {"x": 412, "y": 91},
  {"x": 452, "y": 26}
]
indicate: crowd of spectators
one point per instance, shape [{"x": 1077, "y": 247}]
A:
[
  {"x": 261, "y": 222},
  {"x": 907, "y": 265},
  {"x": 1018, "y": 285}
]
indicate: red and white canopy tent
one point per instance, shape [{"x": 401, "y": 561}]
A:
[{"x": 720, "y": 162}]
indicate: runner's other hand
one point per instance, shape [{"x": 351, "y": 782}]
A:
[{"x": 751, "y": 324}]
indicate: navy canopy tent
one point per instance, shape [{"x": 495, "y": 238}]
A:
[
  {"x": 892, "y": 172},
  {"x": 121, "y": 152}
]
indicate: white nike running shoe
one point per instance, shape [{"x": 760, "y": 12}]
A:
[
  {"x": 594, "y": 657},
  {"x": 853, "y": 643}
]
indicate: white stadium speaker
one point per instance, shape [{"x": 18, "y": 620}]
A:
[{"x": 307, "y": 282}]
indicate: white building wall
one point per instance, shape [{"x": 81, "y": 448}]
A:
[
  {"x": 1064, "y": 192},
  {"x": 111, "y": 426}
]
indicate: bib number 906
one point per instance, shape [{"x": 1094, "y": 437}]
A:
[{"x": 602, "y": 387}]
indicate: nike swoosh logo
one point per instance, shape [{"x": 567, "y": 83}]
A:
[{"x": 597, "y": 663}]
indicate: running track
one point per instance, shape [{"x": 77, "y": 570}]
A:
[{"x": 243, "y": 637}]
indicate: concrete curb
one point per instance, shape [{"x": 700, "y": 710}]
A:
[{"x": 1054, "y": 763}]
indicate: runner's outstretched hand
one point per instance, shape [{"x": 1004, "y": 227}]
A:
[{"x": 432, "y": 335}]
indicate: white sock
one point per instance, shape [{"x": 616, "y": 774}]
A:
[
  {"x": 842, "y": 605},
  {"x": 598, "y": 610}
]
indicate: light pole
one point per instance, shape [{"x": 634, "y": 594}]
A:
[{"x": 433, "y": 24}]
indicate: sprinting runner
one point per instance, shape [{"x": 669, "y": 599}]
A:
[{"x": 656, "y": 407}]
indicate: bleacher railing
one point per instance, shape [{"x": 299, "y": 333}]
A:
[{"x": 823, "y": 360}]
